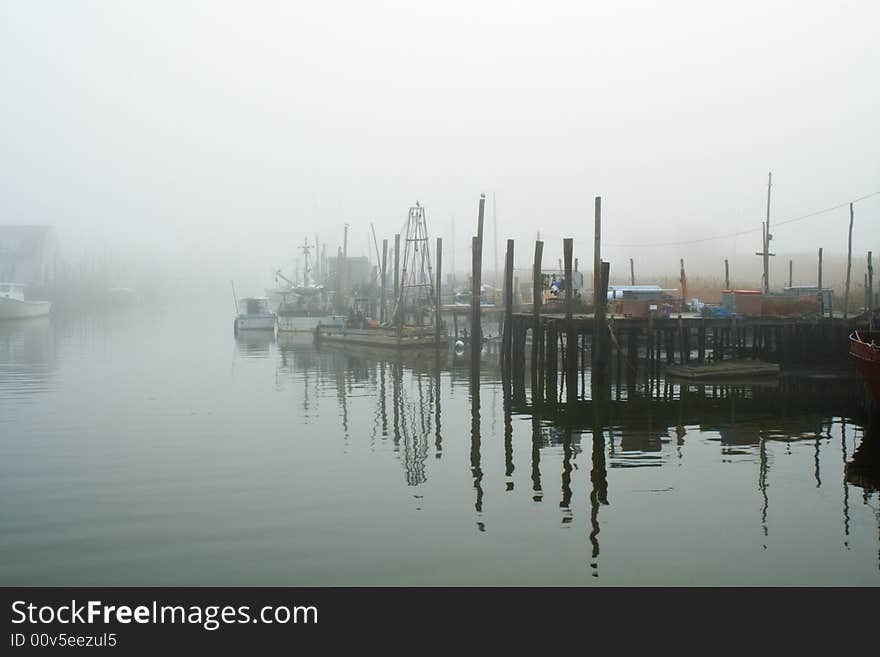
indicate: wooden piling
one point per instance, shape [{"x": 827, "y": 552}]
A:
[
  {"x": 848, "y": 264},
  {"x": 632, "y": 272},
  {"x": 551, "y": 362},
  {"x": 476, "y": 337},
  {"x": 598, "y": 298},
  {"x": 383, "y": 316},
  {"x": 600, "y": 327},
  {"x": 507, "y": 332},
  {"x": 870, "y": 306},
  {"x": 821, "y": 296},
  {"x": 536, "y": 311},
  {"x": 438, "y": 304},
  {"x": 397, "y": 309},
  {"x": 476, "y": 285},
  {"x": 790, "y": 271},
  {"x": 726, "y": 275},
  {"x": 570, "y": 337}
]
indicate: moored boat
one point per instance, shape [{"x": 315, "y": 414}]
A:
[
  {"x": 302, "y": 306},
  {"x": 864, "y": 347},
  {"x": 254, "y": 314},
  {"x": 13, "y": 305},
  {"x": 381, "y": 336}
]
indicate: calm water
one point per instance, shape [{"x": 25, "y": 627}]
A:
[{"x": 152, "y": 448}]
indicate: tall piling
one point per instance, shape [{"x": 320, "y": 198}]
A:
[
  {"x": 476, "y": 286},
  {"x": 537, "y": 298},
  {"x": 726, "y": 275},
  {"x": 598, "y": 297},
  {"x": 383, "y": 316},
  {"x": 848, "y": 265},
  {"x": 821, "y": 295},
  {"x": 397, "y": 310},
  {"x": 870, "y": 306},
  {"x": 571, "y": 350},
  {"x": 507, "y": 332},
  {"x": 437, "y": 299}
]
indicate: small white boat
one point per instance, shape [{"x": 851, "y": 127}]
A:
[
  {"x": 13, "y": 305},
  {"x": 254, "y": 314}
]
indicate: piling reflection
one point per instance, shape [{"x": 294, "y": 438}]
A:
[{"x": 631, "y": 425}]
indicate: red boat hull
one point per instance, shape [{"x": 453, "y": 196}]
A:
[{"x": 864, "y": 347}]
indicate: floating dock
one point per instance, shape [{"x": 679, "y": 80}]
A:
[{"x": 734, "y": 369}]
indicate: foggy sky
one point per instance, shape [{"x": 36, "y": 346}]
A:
[{"x": 227, "y": 132}]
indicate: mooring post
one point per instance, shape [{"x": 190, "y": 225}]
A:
[
  {"x": 438, "y": 304},
  {"x": 701, "y": 340},
  {"x": 397, "y": 318},
  {"x": 537, "y": 298},
  {"x": 726, "y": 275},
  {"x": 507, "y": 333},
  {"x": 632, "y": 272},
  {"x": 848, "y": 265},
  {"x": 476, "y": 328},
  {"x": 476, "y": 286},
  {"x": 383, "y": 317},
  {"x": 551, "y": 362},
  {"x": 870, "y": 306},
  {"x": 821, "y": 294},
  {"x": 598, "y": 298},
  {"x": 571, "y": 350},
  {"x": 602, "y": 352},
  {"x": 790, "y": 271}
]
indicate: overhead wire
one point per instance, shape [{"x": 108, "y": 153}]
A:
[{"x": 749, "y": 230}]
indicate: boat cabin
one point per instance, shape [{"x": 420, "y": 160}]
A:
[
  {"x": 254, "y": 306},
  {"x": 12, "y": 291}
]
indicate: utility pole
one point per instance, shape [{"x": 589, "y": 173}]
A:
[
  {"x": 848, "y": 264},
  {"x": 767, "y": 236}
]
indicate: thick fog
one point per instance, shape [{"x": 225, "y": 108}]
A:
[{"x": 208, "y": 139}]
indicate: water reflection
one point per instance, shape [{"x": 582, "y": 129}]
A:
[
  {"x": 632, "y": 426},
  {"x": 254, "y": 343},
  {"x": 28, "y": 356}
]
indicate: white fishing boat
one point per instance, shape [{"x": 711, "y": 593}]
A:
[
  {"x": 303, "y": 306},
  {"x": 254, "y": 314},
  {"x": 13, "y": 305}
]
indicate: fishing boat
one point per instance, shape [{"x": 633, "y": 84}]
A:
[
  {"x": 254, "y": 314},
  {"x": 864, "y": 347},
  {"x": 13, "y": 305},
  {"x": 412, "y": 322},
  {"x": 303, "y": 306}
]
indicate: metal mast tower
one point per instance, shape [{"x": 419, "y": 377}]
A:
[
  {"x": 307, "y": 269},
  {"x": 416, "y": 277}
]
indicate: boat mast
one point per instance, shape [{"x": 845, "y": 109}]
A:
[
  {"x": 417, "y": 275},
  {"x": 306, "y": 268}
]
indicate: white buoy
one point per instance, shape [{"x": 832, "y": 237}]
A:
[{"x": 459, "y": 347}]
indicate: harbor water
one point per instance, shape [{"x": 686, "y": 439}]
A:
[{"x": 157, "y": 448}]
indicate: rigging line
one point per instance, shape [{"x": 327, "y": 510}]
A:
[{"x": 749, "y": 230}]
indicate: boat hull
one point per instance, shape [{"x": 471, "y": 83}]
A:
[
  {"x": 262, "y": 322},
  {"x": 407, "y": 338},
  {"x": 18, "y": 309},
  {"x": 299, "y": 323},
  {"x": 864, "y": 348}
]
